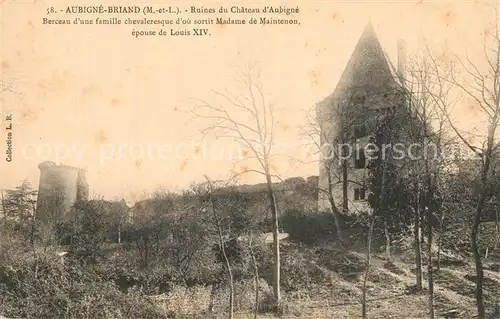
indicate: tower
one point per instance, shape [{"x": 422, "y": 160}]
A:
[
  {"x": 60, "y": 187},
  {"x": 368, "y": 90}
]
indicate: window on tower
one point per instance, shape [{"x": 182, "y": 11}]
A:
[
  {"x": 360, "y": 161},
  {"x": 359, "y": 193}
]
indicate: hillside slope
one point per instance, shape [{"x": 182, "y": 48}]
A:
[{"x": 323, "y": 282}]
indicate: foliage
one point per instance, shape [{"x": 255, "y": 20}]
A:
[
  {"x": 88, "y": 236},
  {"x": 309, "y": 228},
  {"x": 47, "y": 288},
  {"x": 171, "y": 243},
  {"x": 18, "y": 206}
]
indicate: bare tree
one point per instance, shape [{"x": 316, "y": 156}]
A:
[
  {"x": 248, "y": 118},
  {"x": 496, "y": 235},
  {"x": 426, "y": 96},
  {"x": 364, "y": 312},
  {"x": 417, "y": 233},
  {"x": 256, "y": 272},
  {"x": 316, "y": 131},
  {"x": 480, "y": 82},
  {"x": 222, "y": 244}
]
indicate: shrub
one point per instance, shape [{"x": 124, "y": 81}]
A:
[
  {"x": 47, "y": 288},
  {"x": 308, "y": 228}
]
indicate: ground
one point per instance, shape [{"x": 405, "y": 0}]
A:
[{"x": 331, "y": 283}]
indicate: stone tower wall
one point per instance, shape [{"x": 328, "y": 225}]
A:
[{"x": 59, "y": 188}]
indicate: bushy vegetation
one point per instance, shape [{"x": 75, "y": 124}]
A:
[
  {"x": 171, "y": 241},
  {"x": 43, "y": 286},
  {"x": 164, "y": 258}
]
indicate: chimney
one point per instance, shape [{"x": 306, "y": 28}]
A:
[{"x": 401, "y": 60}]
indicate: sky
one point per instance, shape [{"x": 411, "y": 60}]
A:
[{"x": 97, "y": 97}]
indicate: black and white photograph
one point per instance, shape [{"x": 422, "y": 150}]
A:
[{"x": 250, "y": 159}]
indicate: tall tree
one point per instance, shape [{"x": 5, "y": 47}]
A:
[
  {"x": 324, "y": 145},
  {"x": 364, "y": 310},
  {"x": 479, "y": 81},
  {"x": 248, "y": 118},
  {"x": 427, "y": 93},
  {"x": 218, "y": 223},
  {"x": 19, "y": 206}
]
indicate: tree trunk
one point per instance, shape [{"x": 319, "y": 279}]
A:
[
  {"x": 497, "y": 230},
  {"x": 224, "y": 254},
  {"x": 32, "y": 240},
  {"x": 336, "y": 219},
  {"x": 256, "y": 280},
  {"x": 276, "y": 244},
  {"x": 345, "y": 189},
  {"x": 229, "y": 273},
  {"x": 335, "y": 211},
  {"x": 430, "y": 201},
  {"x": 213, "y": 291},
  {"x": 119, "y": 234},
  {"x": 418, "y": 247},
  {"x": 477, "y": 221},
  {"x": 382, "y": 201},
  {"x": 367, "y": 270},
  {"x": 440, "y": 241},
  {"x": 387, "y": 241},
  {"x": 423, "y": 222},
  {"x": 477, "y": 258},
  {"x": 430, "y": 274}
]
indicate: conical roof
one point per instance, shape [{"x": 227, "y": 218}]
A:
[
  {"x": 368, "y": 66},
  {"x": 368, "y": 70}
]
